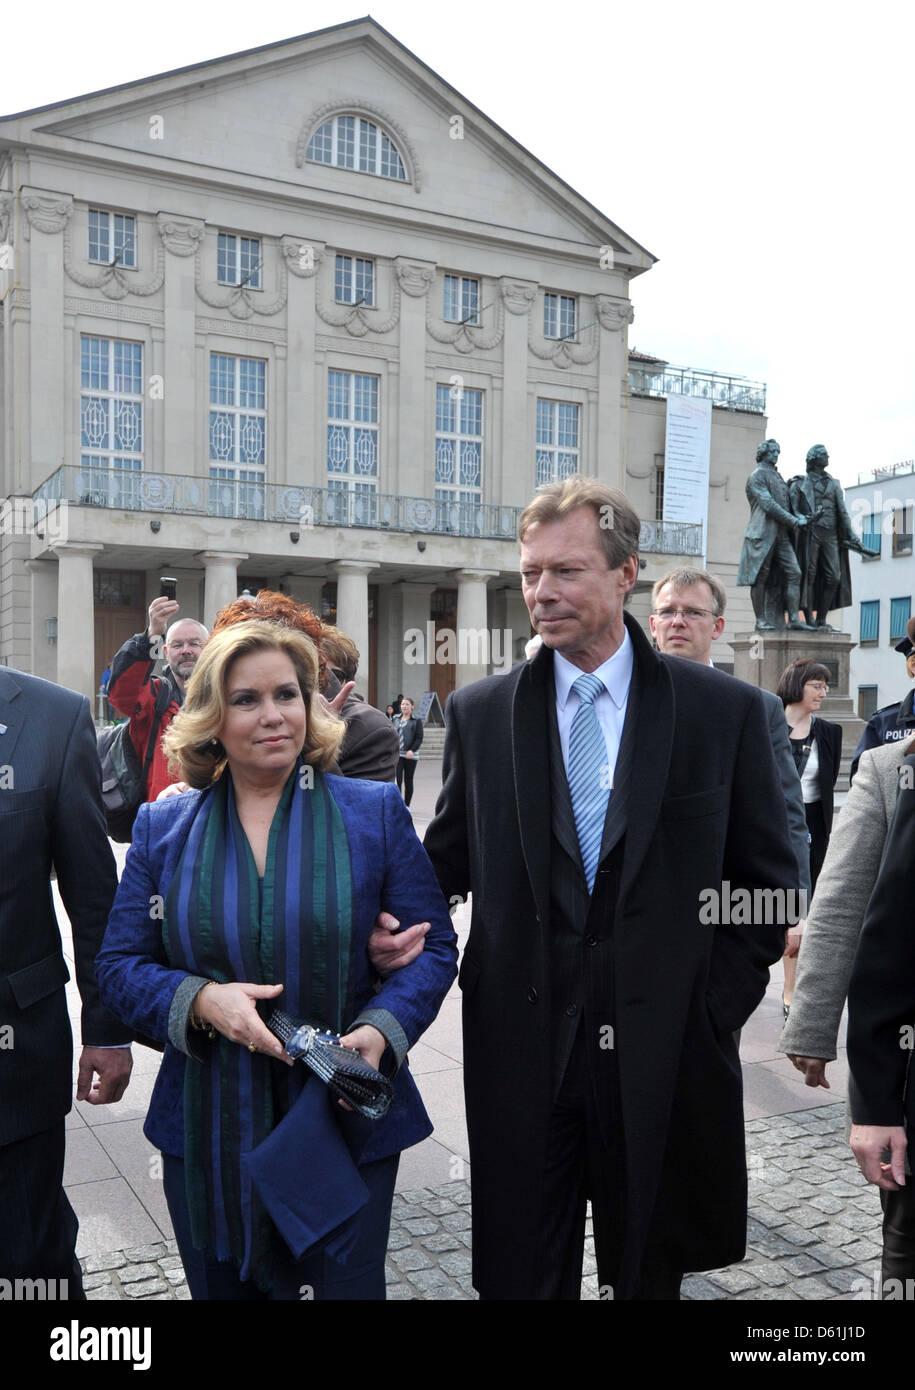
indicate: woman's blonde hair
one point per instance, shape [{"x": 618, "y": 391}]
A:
[{"x": 191, "y": 742}]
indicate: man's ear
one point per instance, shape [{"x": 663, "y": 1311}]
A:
[{"x": 718, "y": 628}]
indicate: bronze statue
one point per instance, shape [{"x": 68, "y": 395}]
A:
[
  {"x": 768, "y": 561},
  {"x": 824, "y": 545}
]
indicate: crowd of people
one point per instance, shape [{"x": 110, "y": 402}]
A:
[{"x": 590, "y": 798}]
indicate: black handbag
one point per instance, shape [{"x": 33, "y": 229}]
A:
[{"x": 341, "y": 1068}]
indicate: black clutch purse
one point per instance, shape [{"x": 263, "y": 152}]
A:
[{"x": 347, "y": 1074}]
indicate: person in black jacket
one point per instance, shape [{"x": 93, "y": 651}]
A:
[
  {"x": 410, "y": 733},
  {"x": 817, "y": 747},
  {"x": 881, "y": 1030}
]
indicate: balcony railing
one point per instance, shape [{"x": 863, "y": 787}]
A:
[
  {"x": 296, "y": 507},
  {"x": 671, "y": 537},
  {"x": 732, "y": 392}
]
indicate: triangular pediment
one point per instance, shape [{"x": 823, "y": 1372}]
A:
[{"x": 245, "y": 120}]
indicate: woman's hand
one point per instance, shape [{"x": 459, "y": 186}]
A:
[
  {"x": 173, "y": 789},
  {"x": 368, "y": 1042},
  {"x": 231, "y": 1009},
  {"x": 793, "y": 938}
]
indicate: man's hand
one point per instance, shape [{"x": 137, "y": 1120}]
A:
[
  {"x": 161, "y": 612},
  {"x": 390, "y": 949},
  {"x": 336, "y": 704},
  {"x": 113, "y": 1065},
  {"x": 409, "y": 753},
  {"x": 868, "y": 1143},
  {"x": 173, "y": 789},
  {"x": 814, "y": 1069}
]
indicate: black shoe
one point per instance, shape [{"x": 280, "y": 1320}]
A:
[{"x": 786, "y": 1009}]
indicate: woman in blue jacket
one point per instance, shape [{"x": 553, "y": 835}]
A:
[{"x": 263, "y": 885}]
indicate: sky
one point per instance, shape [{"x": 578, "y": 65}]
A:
[{"x": 762, "y": 152}]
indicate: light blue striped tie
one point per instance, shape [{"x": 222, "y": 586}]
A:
[{"x": 588, "y": 774}]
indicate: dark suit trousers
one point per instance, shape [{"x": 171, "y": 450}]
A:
[
  {"x": 898, "y": 1236},
  {"x": 581, "y": 1166},
  {"x": 37, "y": 1224}
]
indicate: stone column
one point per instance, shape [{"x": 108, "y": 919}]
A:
[
  {"x": 220, "y": 582},
  {"x": 42, "y": 605},
  {"x": 304, "y": 467},
  {"x": 416, "y": 653},
  {"x": 76, "y": 617},
  {"x": 473, "y": 637},
  {"x": 612, "y": 314},
  {"x": 513, "y": 463},
  {"x": 353, "y": 611},
  {"x": 182, "y": 237},
  {"x": 47, "y": 214},
  {"x": 414, "y": 279}
]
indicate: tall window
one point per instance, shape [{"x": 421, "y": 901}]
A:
[
  {"x": 112, "y": 238},
  {"x": 659, "y": 488},
  {"x": 558, "y": 316},
  {"x": 352, "y": 446},
  {"x": 558, "y": 428},
  {"x": 870, "y": 623},
  {"x": 902, "y": 531},
  {"x": 867, "y": 701},
  {"x": 354, "y": 280},
  {"x": 871, "y": 536},
  {"x": 353, "y": 142},
  {"x": 458, "y": 458},
  {"x": 111, "y": 419},
  {"x": 462, "y": 300},
  {"x": 900, "y": 613},
  {"x": 238, "y": 435},
  {"x": 238, "y": 261}
]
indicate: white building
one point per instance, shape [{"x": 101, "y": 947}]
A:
[
  {"x": 304, "y": 316},
  {"x": 881, "y": 506}
]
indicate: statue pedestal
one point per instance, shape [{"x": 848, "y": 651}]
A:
[{"x": 761, "y": 657}]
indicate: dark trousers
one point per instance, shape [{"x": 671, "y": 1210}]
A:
[
  {"x": 406, "y": 771},
  {"x": 819, "y": 839},
  {"x": 898, "y": 1238},
  {"x": 316, "y": 1276},
  {"x": 37, "y": 1224},
  {"x": 579, "y": 1167}
]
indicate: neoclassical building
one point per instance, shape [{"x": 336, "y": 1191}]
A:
[{"x": 304, "y": 316}]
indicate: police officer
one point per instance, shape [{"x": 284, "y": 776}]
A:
[{"x": 893, "y": 722}]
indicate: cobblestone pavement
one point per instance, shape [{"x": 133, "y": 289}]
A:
[{"x": 813, "y": 1231}]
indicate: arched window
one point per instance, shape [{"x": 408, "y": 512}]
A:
[{"x": 354, "y": 142}]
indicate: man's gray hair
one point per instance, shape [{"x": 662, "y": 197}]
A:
[
  {"x": 617, "y": 519},
  {"x": 179, "y": 621},
  {"x": 685, "y": 578}
]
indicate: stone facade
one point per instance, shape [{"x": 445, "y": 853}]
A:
[{"x": 185, "y": 216}]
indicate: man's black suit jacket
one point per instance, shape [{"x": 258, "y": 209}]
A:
[
  {"x": 50, "y": 815},
  {"x": 703, "y": 811}
]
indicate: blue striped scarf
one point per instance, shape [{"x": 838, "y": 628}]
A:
[{"x": 295, "y": 930}]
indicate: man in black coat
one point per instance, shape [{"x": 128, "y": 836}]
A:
[
  {"x": 602, "y": 986},
  {"x": 50, "y": 815}
]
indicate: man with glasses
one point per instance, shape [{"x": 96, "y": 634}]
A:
[
  {"x": 687, "y": 617},
  {"x": 151, "y": 702}
]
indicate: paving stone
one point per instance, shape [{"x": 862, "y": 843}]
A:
[
  {"x": 829, "y": 1256},
  {"x": 130, "y": 1274},
  {"x": 446, "y": 1291},
  {"x": 733, "y": 1280},
  {"x": 170, "y": 1262},
  {"x": 807, "y": 1216},
  {"x": 171, "y": 1247},
  {"x": 411, "y": 1259},
  {"x": 95, "y": 1281},
  {"x": 767, "y": 1272},
  {"x": 854, "y": 1220},
  {"x": 456, "y": 1221},
  {"x": 107, "y": 1294},
  {"x": 415, "y": 1196},
  {"x": 697, "y": 1286},
  {"x": 772, "y": 1244},
  {"x": 778, "y": 1201},
  {"x": 428, "y": 1278},
  {"x": 810, "y": 1289},
  {"x": 391, "y": 1275},
  {"x": 183, "y": 1293},
  {"x": 461, "y": 1262},
  {"x": 142, "y": 1253},
  {"x": 803, "y": 1264},
  {"x": 145, "y": 1287},
  {"x": 175, "y": 1276},
  {"x": 409, "y": 1213},
  {"x": 426, "y": 1227},
  {"x": 438, "y": 1206},
  {"x": 863, "y": 1250},
  {"x": 398, "y": 1292},
  {"x": 843, "y": 1279},
  {"x": 94, "y": 1264},
  {"x": 441, "y": 1242},
  {"x": 397, "y": 1239},
  {"x": 786, "y": 1295},
  {"x": 824, "y": 1202},
  {"x": 797, "y": 1235}
]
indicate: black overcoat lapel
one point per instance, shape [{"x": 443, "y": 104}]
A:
[
  {"x": 653, "y": 738},
  {"x": 530, "y": 741}
]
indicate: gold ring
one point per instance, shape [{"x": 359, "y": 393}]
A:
[{"x": 252, "y": 1047}]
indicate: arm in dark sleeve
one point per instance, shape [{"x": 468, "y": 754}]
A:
[
  {"x": 869, "y": 739},
  {"x": 791, "y": 791},
  {"x": 757, "y": 856},
  {"x": 369, "y": 748},
  {"x": 881, "y": 993},
  {"x": 86, "y": 873},
  {"x": 446, "y": 841}
]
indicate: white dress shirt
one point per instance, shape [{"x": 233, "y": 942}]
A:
[{"x": 610, "y": 706}]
